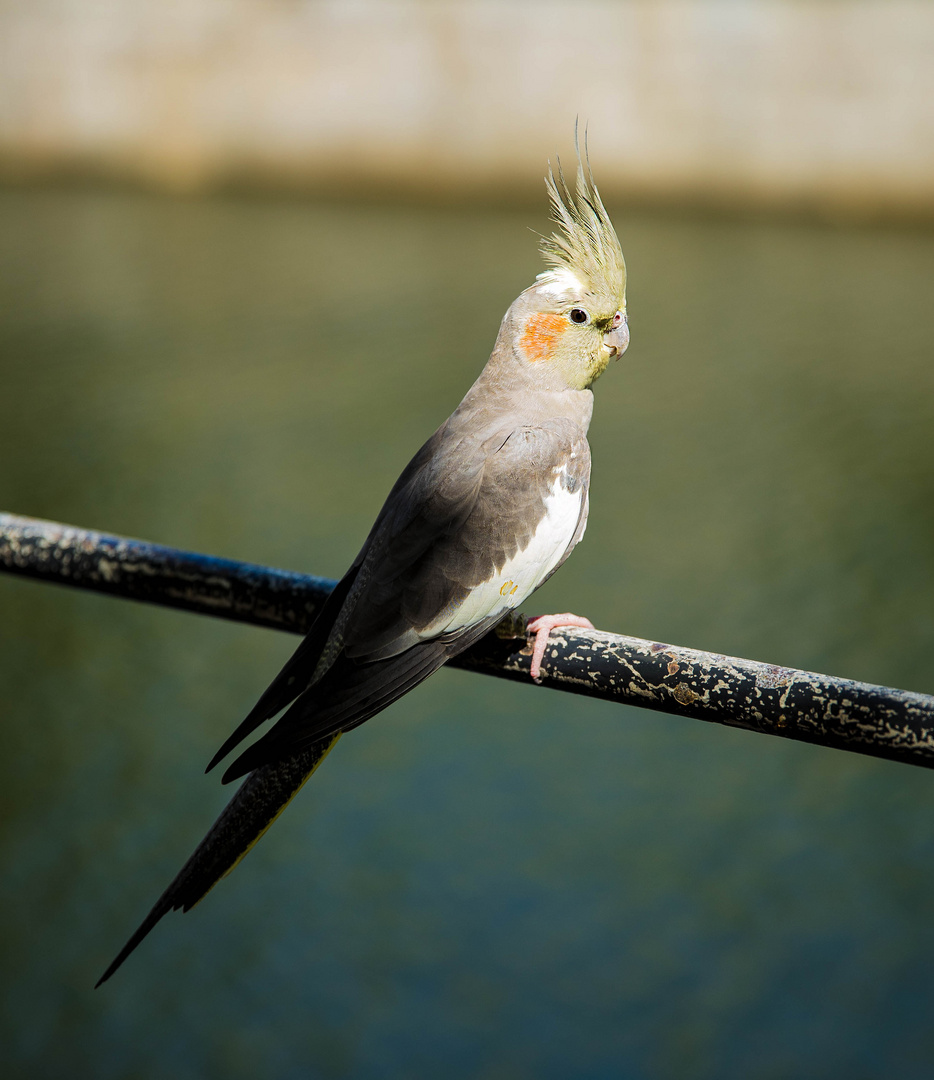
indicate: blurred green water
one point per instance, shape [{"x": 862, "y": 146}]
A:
[{"x": 488, "y": 880}]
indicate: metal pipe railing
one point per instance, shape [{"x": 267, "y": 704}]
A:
[{"x": 793, "y": 704}]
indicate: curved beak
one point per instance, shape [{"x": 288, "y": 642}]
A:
[{"x": 617, "y": 339}]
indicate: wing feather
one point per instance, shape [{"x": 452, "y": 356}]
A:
[{"x": 468, "y": 503}]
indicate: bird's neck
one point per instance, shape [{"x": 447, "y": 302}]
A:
[{"x": 515, "y": 391}]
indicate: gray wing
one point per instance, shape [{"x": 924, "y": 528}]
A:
[{"x": 467, "y": 503}]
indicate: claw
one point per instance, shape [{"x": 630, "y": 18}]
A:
[{"x": 541, "y": 626}]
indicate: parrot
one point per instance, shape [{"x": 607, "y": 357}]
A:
[{"x": 484, "y": 513}]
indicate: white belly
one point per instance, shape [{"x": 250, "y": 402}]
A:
[{"x": 525, "y": 571}]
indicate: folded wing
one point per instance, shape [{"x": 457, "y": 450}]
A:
[{"x": 475, "y": 523}]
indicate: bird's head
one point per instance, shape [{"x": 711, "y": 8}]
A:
[{"x": 572, "y": 321}]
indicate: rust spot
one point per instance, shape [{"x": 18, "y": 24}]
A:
[
  {"x": 542, "y": 331},
  {"x": 674, "y": 667},
  {"x": 773, "y": 677},
  {"x": 683, "y": 694}
]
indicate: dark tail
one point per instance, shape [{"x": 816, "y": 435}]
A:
[{"x": 259, "y": 801}]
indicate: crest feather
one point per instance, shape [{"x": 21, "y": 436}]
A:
[{"x": 585, "y": 243}]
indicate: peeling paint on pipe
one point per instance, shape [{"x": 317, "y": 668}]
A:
[{"x": 801, "y": 705}]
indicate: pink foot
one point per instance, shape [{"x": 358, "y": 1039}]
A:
[{"x": 541, "y": 626}]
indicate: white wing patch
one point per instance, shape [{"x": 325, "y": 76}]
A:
[{"x": 525, "y": 571}]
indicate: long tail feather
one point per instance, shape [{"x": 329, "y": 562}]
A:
[{"x": 258, "y": 802}]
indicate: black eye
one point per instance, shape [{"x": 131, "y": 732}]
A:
[{"x": 578, "y": 315}]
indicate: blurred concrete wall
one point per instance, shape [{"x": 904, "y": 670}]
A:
[{"x": 826, "y": 104}]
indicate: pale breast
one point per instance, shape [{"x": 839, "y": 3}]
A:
[{"x": 521, "y": 575}]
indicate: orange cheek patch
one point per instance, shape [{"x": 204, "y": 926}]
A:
[{"x": 541, "y": 334}]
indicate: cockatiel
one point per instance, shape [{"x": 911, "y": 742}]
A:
[{"x": 484, "y": 513}]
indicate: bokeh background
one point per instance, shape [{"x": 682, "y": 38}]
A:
[{"x": 251, "y": 254}]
